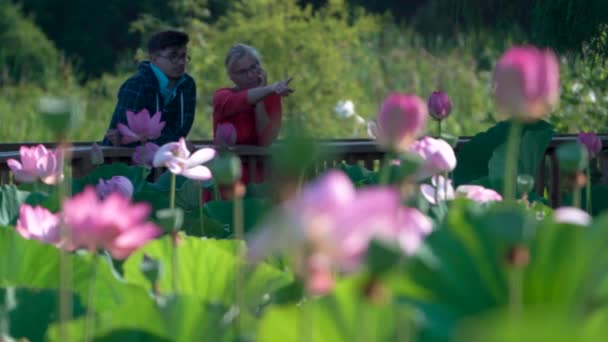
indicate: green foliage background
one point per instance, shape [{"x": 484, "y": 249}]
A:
[{"x": 334, "y": 50}]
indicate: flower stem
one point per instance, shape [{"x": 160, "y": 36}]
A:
[
  {"x": 201, "y": 202},
  {"x": 65, "y": 266},
  {"x": 239, "y": 236},
  {"x": 588, "y": 191},
  {"x": 438, "y": 129},
  {"x": 172, "y": 194},
  {"x": 512, "y": 160},
  {"x": 89, "y": 325},
  {"x": 515, "y": 291},
  {"x": 174, "y": 237},
  {"x": 143, "y": 162},
  {"x": 174, "y": 260},
  {"x": 576, "y": 196},
  {"x": 385, "y": 169}
]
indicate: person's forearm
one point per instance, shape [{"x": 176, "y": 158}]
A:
[
  {"x": 261, "y": 118},
  {"x": 255, "y": 95}
]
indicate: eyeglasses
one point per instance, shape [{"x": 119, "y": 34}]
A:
[
  {"x": 252, "y": 68},
  {"x": 174, "y": 58}
]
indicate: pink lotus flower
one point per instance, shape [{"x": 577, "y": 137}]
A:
[
  {"x": 37, "y": 163},
  {"x": 320, "y": 276},
  {"x": 113, "y": 223},
  {"x": 526, "y": 82},
  {"x": 438, "y": 156},
  {"x": 478, "y": 193},
  {"x": 225, "y": 135},
  {"x": 592, "y": 142},
  {"x": 330, "y": 225},
  {"x": 400, "y": 120},
  {"x": 442, "y": 190},
  {"x": 439, "y": 190},
  {"x": 119, "y": 184},
  {"x": 571, "y": 215},
  {"x": 144, "y": 155},
  {"x": 176, "y": 157},
  {"x": 141, "y": 127},
  {"x": 440, "y": 105},
  {"x": 37, "y": 223}
]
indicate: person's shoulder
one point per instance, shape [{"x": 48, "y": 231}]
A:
[
  {"x": 140, "y": 79},
  {"x": 224, "y": 91}
]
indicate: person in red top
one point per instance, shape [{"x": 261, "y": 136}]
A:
[{"x": 252, "y": 106}]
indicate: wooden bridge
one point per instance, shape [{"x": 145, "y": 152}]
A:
[{"x": 364, "y": 152}]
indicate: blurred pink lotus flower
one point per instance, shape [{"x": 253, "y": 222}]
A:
[
  {"x": 526, "y": 82},
  {"x": 119, "y": 184},
  {"x": 96, "y": 154},
  {"x": 440, "y": 105},
  {"x": 225, "y": 135},
  {"x": 37, "y": 223},
  {"x": 37, "y": 163},
  {"x": 438, "y": 156},
  {"x": 571, "y": 215},
  {"x": 439, "y": 190},
  {"x": 320, "y": 275},
  {"x": 592, "y": 142},
  {"x": 400, "y": 119},
  {"x": 141, "y": 127},
  {"x": 144, "y": 155},
  {"x": 113, "y": 223},
  {"x": 330, "y": 225},
  {"x": 478, "y": 193},
  {"x": 176, "y": 157},
  {"x": 442, "y": 190}
]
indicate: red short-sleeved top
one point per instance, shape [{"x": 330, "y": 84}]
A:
[{"x": 231, "y": 106}]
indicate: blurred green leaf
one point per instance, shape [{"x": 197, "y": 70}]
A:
[
  {"x": 206, "y": 270},
  {"x": 343, "y": 315},
  {"x": 35, "y": 310},
  {"x": 254, "y": 210}
]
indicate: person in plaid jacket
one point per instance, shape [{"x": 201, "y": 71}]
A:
[{"x": 160, "y": 84}]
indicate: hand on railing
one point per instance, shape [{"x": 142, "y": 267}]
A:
[{"x": 113, "y": 135}]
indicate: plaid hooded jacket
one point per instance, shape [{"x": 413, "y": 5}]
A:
[{"x": 142, "y": 91}]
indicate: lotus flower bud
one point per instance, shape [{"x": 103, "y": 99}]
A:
[
  {"x": 118, "y": 184},
  {"x": 225, "y": 135},
  {"x": 572, "y": 157},
  {"x": 592, "y": 142},
  {"x": 525, "y": 183},
  {"x": 438, "y": 156},
  {"x": 400, "y": 120},
  {"x": 440, "y": 105},
  {"x": 150, "y": 268},
  {"x": 226, "y": 168},
  {"x": 96, "y": 155},
  {"x": 144, "y": 155},
  {"x": 526, "y": 82}
]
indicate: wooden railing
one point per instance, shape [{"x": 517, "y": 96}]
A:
[{"x": 362, "y": 151}]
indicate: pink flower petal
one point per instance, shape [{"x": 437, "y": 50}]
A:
[
  {"x": 197, "y": 173},
  {"x": 130, "y": 240},
  {"x": 127, "y": 135},
  {"x": 200, "y": 157}
]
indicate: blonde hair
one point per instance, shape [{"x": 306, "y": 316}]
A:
[{"x": 239, "y": 51}]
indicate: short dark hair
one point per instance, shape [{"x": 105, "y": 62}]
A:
[{"x": 162, "y": 40}]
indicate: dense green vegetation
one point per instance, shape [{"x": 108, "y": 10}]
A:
[{"x": 335, "y": 50}]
